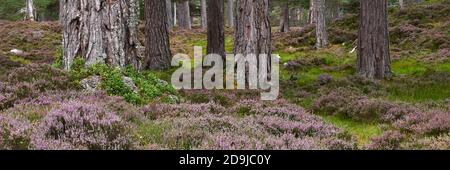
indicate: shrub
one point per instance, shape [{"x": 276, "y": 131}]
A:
[
  {"x": 14, "y": 133},
  {"x": 390, "y": 140},
  {"x": 78, "y": 125}
]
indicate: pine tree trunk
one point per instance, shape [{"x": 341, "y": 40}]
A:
[
  {"x": 373, "y": 41},
  {"x": 401, "y": 4},
  {"x": 216, "y": 33},
  {"x": 169, "y": 13},
  {"x": 29, "y": 14},
  {"x": 312, "y": 12},
  {"x": 184, "y": 16},
  {"x": 284, "y": 24},
  {"x": 252, "y": 30},
  {"x": 321, "y": 29},
  {"x": 100, "y": 31},
  {"x": 332, "y": 9},
  {"x": 203, "y": 14},
  {"x": 230, "y": 13},
  {"x": 157, "y": 46}
]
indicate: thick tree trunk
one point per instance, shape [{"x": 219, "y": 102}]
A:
[
  {"x": 373, "y": 41},
  {"x": 184, "y": 16},
  {"x": 321, "y": 29},
  {"x": 284, "y": 18},
  {"x": 216, "y": 33},
  {"x": 230, "y": 13},
  {"x": 29, "y": 13},
  {"x": 252, "y": 30},
  {"x": 157, "y": 46},
  {"x": 169, "y": 13},
  {"x": 204, "y": 17},
  {"x": 100, "y": 31}
]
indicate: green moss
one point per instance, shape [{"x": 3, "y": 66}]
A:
[
  {"x": 20, "y": 60},
  {"x": 361, "y": 130}
]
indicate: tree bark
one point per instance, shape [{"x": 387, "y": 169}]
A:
[
  {"x": 312, "y": 12},
  {"x": 157, "y": 46},
  {"x": 373, "y": 41},
  {"x": 284, "y": 20},
  {"x": 332, "y": 9},
  {"x": 169, "y": 13},
  {"x": 252, "y": 30},
  {"x": 184, "y": 16},
  {"x": 100, "y": 31},
  {"x": 204, "y": 17},
  {"x": 29, "y": 14},
  {"x": 216, "y": 33},
  {"x": 401, "y": 4},
  {"x": 230, "y": 13},
  {"x": 321, "y": 29}
]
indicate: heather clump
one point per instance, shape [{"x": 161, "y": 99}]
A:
[
  {"x": 268, "y": 125},
  {"x": 79, "y": 125},
  {"x": 14, "y": 133}
]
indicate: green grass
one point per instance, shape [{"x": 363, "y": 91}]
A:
[
  {"x": 150, "y": 132},
  {"x": 362, "y": 131},
  {"x": 19, "y": 60}
]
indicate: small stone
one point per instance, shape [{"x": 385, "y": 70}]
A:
[
  {"x": 91, "y": 84},
  {"x": 130, "y": 83},
  {"x": 17, "y": 52}
]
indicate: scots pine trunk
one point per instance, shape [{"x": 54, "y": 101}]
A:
[
  {"x": 204, "y": 17},
  {"x": 230, "y": 13},
  {"x": 373, "y": 41},
  {"x": 332, "y": 9},
  {"x": 29, "y": 13},
  {"x": 284, "y": 18},
  {"x": 216, "y": 33},
  {"x": 312, "y": 12},
  {"x": 100, "y": 31},
  {"x": 169, "y": 13},
  {"x": 184, "y": 16},
  {"x": 252, "y": 29},
  {"x": 157, "y": 46},
  {"x": 401, "y": 3},
  {"x": 321, "y": 29}
]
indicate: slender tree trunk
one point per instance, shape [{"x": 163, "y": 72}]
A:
[
  {"x": 29, "y": 14},
  {"x": 216, "y": 33},
  {"x": 252, "y": 30},
  {"x": 312, "y": 12},
  {"x": 373, "y": 41},
  {"x": 157, "y": 46},
  {"x": 184, "y": 16},
  {"x": 100, "y": 31},
  {"x": 401, "y": 4},
  {"x": 321, "y": 29},
  {"x": 284, "y": 24},
  {"x": 230, "y": 13},
  {"x": 203, "y": 14},
  {"x": 169, "y": 13},
  {"x": 332, "y": 9}
]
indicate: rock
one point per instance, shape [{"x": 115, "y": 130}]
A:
[
  {"x": 17, "y": 52},
  {"x": 174, "y": 98},
  {"x": 91, "y": 84},
  {"x": 130, "y": 83}
]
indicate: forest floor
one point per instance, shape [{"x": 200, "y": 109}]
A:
[{"x": 323, "y": 105}]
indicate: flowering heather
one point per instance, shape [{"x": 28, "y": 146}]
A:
[
  {"x": 14, "y": 133},
  {"x": 78, "y": 125},
  {"x": 265, "y": 125},
  {"x": 432, "y": 122},
  {"x": 390, "y": 140}
]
